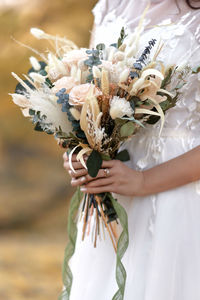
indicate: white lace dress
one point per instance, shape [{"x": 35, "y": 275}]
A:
[{"x": 163, "y": 257}]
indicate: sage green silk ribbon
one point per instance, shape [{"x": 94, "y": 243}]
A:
[
  {"x": 122, "y": 245},
  {"x": 69, "y": 251}
]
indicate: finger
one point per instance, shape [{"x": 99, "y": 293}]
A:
[
  {"x": 78, "y": 182},
  {"x": 65, "y": 156},
  {"x": 101, "y": 174},
  {"x": 98, "y": 190},
  {"x": 90, "y": 181},
  {"x": 108, "y": 163},
  {"x": 76, "y": 165},
  {"x": 74, "y": 156},
  {"x": 99, "y": 182},
  {"x": 79, "y": 173}
]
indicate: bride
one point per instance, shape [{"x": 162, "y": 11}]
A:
[{"x": 160, "y": 185}]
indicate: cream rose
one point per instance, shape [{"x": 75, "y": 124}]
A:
[
  {"x": 66, "y": 82},
  {"x": 78, "y": 93},
  {"x": 74, "y": 57}
]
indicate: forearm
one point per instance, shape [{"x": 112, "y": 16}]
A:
[{"x": 173, "y": 173}]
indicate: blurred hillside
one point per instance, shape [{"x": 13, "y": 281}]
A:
[{"x": 34, "y": 188}]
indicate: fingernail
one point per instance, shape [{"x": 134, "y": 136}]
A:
[
  {"x": 83, "y": 178},
  {"x": 83, "y": 189},
  {"x": 70, "y": 172},
  {"x": 73, "y": 179}
]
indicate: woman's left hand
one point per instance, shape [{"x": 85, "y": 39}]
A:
[{"x": 114, "y": 176}]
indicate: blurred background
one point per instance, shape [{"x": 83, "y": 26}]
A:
[{"x": 34, "y": 187}]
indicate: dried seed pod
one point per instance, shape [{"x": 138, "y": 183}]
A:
[
  {"x": 104, "y": 82},
  {"x": 122, "y": 47},
  {"x": 73, "y": 71},
  {"x": 96, "y": 72},
  {"x": 75, "y": 113},
  {"x": 35, "y": 63},
  {"x": 124, "y": 75},
  {"x": 131, "y": 51},
  {"x": 118, "y": 56},
  {"x": 37, "y": 77}
]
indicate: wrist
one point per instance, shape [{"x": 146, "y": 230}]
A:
[{"x": 139, "y": 190}]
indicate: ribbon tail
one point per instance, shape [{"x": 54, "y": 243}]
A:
[
  {"x": 69, "y": 251},
  {"x": 122, "y": 246}
]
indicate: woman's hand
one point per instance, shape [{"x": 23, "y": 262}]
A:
[{"x": 114, "y": 176}]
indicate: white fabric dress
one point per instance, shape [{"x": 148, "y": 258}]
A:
[{"x": 163, "y": 257}]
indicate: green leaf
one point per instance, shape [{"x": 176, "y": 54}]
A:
[
  {"x": 100, "y": 47},
  {"x": 121, "y": 38},
  {"x": 38, "y": 127},
  {"x": 134, "y": 120},
  {"x": 94, "y": 163},
  {"x": 196, "y": 70},
  {"x": 114, "y": 45},
  {"x": 165, "y": 105},
  {"x": 31, "y": 112},
  {"x": 167, "y": 79},
  {"x": 123, "y": 155},
  {"x": 127, "y": 129},
  {"x": 105, "y": 157}
]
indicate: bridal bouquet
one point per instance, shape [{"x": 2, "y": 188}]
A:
[{"x": 92, "y": 101}]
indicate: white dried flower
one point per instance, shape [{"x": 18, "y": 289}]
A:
[
  {"x": 111, "y": 51},
  {"x": 20, "y": 100},
  {"x": 96, "y": 72},
  {"x": 78, "y": 76},
  {"x": 25, "y": 112},
  {"x": 43, "y": 101},
  {"x": 37, "y": 77},
  {"x": 181, "y": 66},
  {"x": 118, "y": 56},
  {"x": 122, "y": 47},
  {"x": 56, "y": 67},
  {"x": 73, "y": 71},
  {"x": 75, "y": 113},
  {"x": 124, "y": 75},
  {"x": 130, "y": 51},
  {"x": 38, "y": 33},
  {"x": 35, "y": 63},
  {"x": 27, "y": 88},
  {"x": 131, "y": 39},
  {"x": 137, "y": 86},
  {"x": 120, "y": 107},
  {"x": 82, "y": 66}
]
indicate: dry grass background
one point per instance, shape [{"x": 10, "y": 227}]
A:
[{"x": 34, "y": 188}]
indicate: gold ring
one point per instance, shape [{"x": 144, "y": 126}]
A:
[{"x": 106, "y": 172}]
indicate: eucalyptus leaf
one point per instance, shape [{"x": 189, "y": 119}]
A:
[
  {"x": 94, "y": 163},
  {"x": 127, "y": 129},
  {"x": 100, "y": 46},
  {"x": 38, "y": 127},
  {"x": 31, "y": 112},
  {"x": 134, "y": 120},
  {"x": 114, "y": 45}
]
